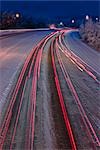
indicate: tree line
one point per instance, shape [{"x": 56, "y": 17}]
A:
[{"x": 10, "y": 21}]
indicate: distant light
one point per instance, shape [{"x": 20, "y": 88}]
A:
[
  {"x": 73, "y": 21},
  {"x": 52, "y": 26},
  {"x": 97, "y": 19},
  {"x": 61, "y": 23},
  {"x": 87, "y": 17},
  {"x": 17, "y": 15}
]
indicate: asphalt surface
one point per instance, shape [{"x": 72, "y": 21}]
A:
[
  {"x": 86, "y": 53},
  {"x": 13, "y": 51},
  {"x": 53, "y": 103}
]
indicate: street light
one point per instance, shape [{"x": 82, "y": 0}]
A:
[
  {"x": 87, "y": 17},
  {"x": 96, "y": 19},
  {"x": 17, "y": 15},
  {"x": 61, "y": 23},
  {"x": 73, "y": 21}
]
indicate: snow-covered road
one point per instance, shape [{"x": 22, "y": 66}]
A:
[
  {"x": 86, "y": 53},
  {"x": 13, "y": 51}
]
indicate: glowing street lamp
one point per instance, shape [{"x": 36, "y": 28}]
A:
[
  {"x": 73, "y": 21},
  {"x": 17, "y": 15},
  {"x": 61, "y": 23},
  {"x": 87, "y": 17},
  {"x": 96, "y": 19}
]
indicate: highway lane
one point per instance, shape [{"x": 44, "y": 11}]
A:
[
  {"x": 89, "y": 101},
  {"x": 21, "y": 113},
  {"x": 70, "y": 90},
  {"x": 13, "y": 51},
  {"x": 86, "y": 53}
]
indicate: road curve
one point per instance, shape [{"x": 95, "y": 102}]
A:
[
  {"x": 21, "y": 96},
  {"x": 54, "y": 99},
  {"x": 86, "y": 53}
]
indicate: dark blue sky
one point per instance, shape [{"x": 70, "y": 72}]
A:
[{"x": 52, "y": 9}]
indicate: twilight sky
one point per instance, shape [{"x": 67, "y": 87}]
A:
[{"x": 52, "y": 9}]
